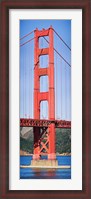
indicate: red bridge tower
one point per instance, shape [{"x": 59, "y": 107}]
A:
[{"x": 44, "y": 137}]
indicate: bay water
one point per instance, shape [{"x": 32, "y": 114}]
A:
[{"x": 31, "y": 173}]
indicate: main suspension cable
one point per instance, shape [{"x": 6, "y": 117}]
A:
[
  {"x": 59, "y": 53},
  {"x": 55, "y": 33},
  {"x": 62, "y": 40},
  {"x": 26, "y": 35},
  {"x": 27, "y": 42}
]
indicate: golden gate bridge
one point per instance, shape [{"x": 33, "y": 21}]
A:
[{"x": 45, "y": 88}]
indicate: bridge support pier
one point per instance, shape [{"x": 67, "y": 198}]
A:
[
  {"x": 44, "y": 163},
  {"x": 51, "y": 153}
]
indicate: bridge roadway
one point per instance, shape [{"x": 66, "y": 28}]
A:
[{"x": 25, "y": 122}]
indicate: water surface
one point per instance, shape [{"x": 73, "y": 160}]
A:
[{"x": 29, "y": 173}]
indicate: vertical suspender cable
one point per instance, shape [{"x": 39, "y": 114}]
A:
[
  {"x": 65, "y": 93},
  {"x": 24, "y": 83},
  {"x": 56, "y": 81},
  {"x": 61, "y": 68},
  {"x": 69, "y": 91},
  {"x": 29, "y": 78},
  {"x": 61, "y": 86},
  {"x": 31, "y": 65}
]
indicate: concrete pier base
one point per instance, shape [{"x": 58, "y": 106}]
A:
[
  {"x": 51, "y": 163},
  {"x": 46, "y": 167}
]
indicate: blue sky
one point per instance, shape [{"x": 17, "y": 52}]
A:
[{"x": 62, "y": 70}]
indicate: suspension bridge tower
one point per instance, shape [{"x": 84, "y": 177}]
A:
[
  {"x": 44, "y": 129},
  {"x": 44, "y": 138}
]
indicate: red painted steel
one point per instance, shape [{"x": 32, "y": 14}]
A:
[
  {"x": 41, "y": 96},
  {"x": 43, "y": 72},
  {"x": 44, "y": 123},
  {"x": 43, "y": 51},
  {"x": 51, "y": 100}
]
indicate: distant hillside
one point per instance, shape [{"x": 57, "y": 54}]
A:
[
  {"x": 63, "y": 140},
  {"x": 26, "y": 145}
]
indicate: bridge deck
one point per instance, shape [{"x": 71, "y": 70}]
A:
[{"x": 24, "y": 122}]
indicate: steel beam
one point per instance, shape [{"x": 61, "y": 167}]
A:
[{"x": 44, "y": 123}]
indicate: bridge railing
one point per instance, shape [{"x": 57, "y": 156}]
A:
[{"x": 44, "y": 123}]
